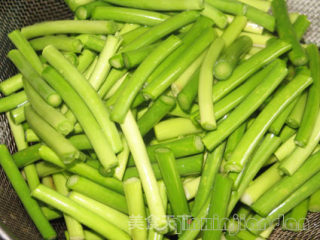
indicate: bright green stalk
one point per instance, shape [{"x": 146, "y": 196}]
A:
[
  {"x": 197, "y": 223},
  {"x": 23, "y": 192},
  {"x": 187, "y": 166},
  {"x": 233, "y": 30},
  {"x": 261, "y": 155},
  {"x": 62, "y": 43},
  {"x": 65, "y": 150},
  {"x": 79, "y": 213},
  {"x": 307, "y": 189},
  {"x": 228, "y": 6},
  {"x": 85, "y": 11},
  {"x": 216, "y": 15},
  {"x": 230, "y": 101},
  {"x": 81, "y": 142},
  {"x": 46, "y": 169},
  {"x": 92, "y": 174},
  {"x": 286, "y": 32},
  {"x": 247, "y": 107},
  {"x": 314, "y": 205},
  {"x": 279, "y": 122},
  {"x": 178, "y": 112},
  {"x": 128, "y": 27},
  {"x": 85, "y": 60},
  {"x": 152, "y": 234},
  {"x": 231, "y": 57},
  {"x": 48, "y": 181},
  {"x": 50, "y": 214},
  {"x": 174, "y": 5},
  {"x": 84, "y": 116},
  {"x": 261, "y": 184},
  {"x": 286, "y": 133},
  {"x": 251, "y": 27},
  {"x": 166, "y": 78},
  {"x": 68, "y": 27},
  {"x": 249, "y": 67},
  {"x": 299, "y": 155},
  {"x": 155, "y": 113},
  {"x": 140, "y": 76},
  {"x": 11, "y": 84},
  {"x": 87, "y": 74},
  {"x": 301, "y": 25},
  {"x": 102, "y": 67},
  {"x": 159, "y": 31},
  {"x": 52, "y": 116},
  {"x": 188, "y": 94},
  {"x": 209, "y": 172},
  {"x": 174, "y": 187},
  {"x": 18, "y": 134},
  {"x": 17, "y": 114},
  {"x": 130, "y": 15},
  {"x": 207, "y": 117},
  {"x": 188, "y": 40},
  {"x": 32, "y": 177},
  {"x": 278, "y": 193},
  {"x": 138, "y": 224},
  {"x": 98, "y": 192},
  {"x": 218, "y": 208},
  {"x": 74, "y": 228},
  {"x": 175, "y": 127},
  {"x": 123, "y": 158},
  {"x": 12, "y": 101},
  {"x": 187, "y": 75},
  {"x": 132, "y": 35},
  {"x": 234, "y": 139},
  {"x": 258, "y": 40},
  {"x": 111, "y": 215},
  {"x": 112, "y": 78},
  {"x": 133, "y": 58},
  {"x": 26, "y": 49},
  {"x": 89, "y": 98},
  {"x": 92, "y": 42},
  {"x": 295, "y": 117},
  {"x": 294, "y": 220},
  {"x": 247, "y": 144},
  {"x": 190, "y": 186},
  {"x": 285, "y": 149},
  {"x": 46, "y": 92},
  {"x": 259, "y": 4},
  {"x": 252, "y": 51},
  {"x": 26, "y": 156},
  {"x": 308, "y": 122},
  {"x": 181, "y": 147},
  {"x": 149, "y": 183},
  {"x": 117, "y": 89},
  {"x": 31, "y": 136},
  {"x": 50, "y": 156},
  {"x": 82, "y": 169},
  {"x": 261, "y": 18},
  {"x": 71, "y": 57}
]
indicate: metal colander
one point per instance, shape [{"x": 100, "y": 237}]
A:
[{"x": 15, "y": 14}]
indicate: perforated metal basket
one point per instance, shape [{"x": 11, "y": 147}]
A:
[{"x": 17, "y": 13}]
